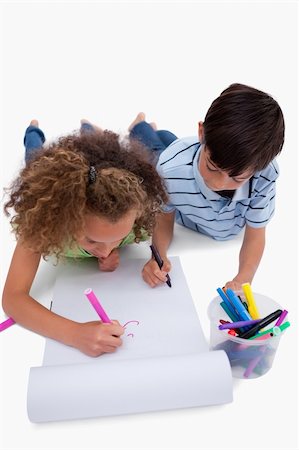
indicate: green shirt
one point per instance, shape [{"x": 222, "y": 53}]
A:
[{"x": 79, "y": 252}]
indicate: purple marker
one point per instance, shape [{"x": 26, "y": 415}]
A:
[
  {"x": 242, "y": 323},
  {"x": 281, "y": 318},
  {"x": 7, "y": 323},
  {"x": 96, "y": 304}
]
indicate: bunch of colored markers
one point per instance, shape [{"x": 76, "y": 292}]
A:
[{"x": 247, "y": 324}]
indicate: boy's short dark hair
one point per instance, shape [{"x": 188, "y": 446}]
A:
[{"x": 244, "y": 129}]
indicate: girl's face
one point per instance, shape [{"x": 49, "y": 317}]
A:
[{"x": 100, "y": 236}]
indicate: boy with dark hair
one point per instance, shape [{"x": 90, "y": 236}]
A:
[{"x": 221, "y": 181}]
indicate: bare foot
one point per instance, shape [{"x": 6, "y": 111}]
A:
[
  {"x": 154, "y": 125},
  {"x": 139, "y": 118},
  {"x": 95, "y": 127},
  {"x": 34, "y": 123}
]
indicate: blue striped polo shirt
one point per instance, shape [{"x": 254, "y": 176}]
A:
[{"x": 203, "y": 210}]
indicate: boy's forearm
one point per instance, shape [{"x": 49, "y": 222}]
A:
[
  {"x": 250, "y": 254},
  {"x": 163, "y": 232},
  {"x": 246, "y": 272}
]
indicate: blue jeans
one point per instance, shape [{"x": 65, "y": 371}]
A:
[
  {"x": 34, "y": 139},
  {"x": 157, "y": 141}
]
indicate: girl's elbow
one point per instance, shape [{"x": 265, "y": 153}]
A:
[{"x": 7, "y": 304}]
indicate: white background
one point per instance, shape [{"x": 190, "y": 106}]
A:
[{"x": 62, "y": 61}]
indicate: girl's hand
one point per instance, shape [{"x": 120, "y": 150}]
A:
[
  {"x": 96, "y": 338},
  {"x": 152, "y": 275},
  {"x": 110, "y": 263}
]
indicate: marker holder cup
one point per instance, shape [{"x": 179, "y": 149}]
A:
[{"x": 249, "y": 358}]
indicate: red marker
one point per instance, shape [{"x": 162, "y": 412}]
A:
[
  {"x": 232, "y": 333},
  {"x": 235, "y": 331}
]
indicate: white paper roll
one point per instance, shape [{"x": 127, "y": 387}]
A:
[{"x": 77, "y": 391}]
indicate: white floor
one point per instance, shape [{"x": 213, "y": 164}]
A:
[{"x": 106, "y": 62}]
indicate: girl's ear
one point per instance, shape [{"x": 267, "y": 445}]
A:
[{"x": 201, "y": 133}]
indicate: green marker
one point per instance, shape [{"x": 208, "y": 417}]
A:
[
  {"x": 273, "y": 330},
  {"x": 232, "y": 316}
]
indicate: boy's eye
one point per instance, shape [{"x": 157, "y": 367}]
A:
[
  {"x": 212, "y": 169},
  {"x": 237, "y": 181}
]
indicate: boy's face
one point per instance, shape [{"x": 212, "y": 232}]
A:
[{"x": 215, "y": 178}]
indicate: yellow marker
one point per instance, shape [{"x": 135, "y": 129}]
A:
[{"x": 252, "y": 308}]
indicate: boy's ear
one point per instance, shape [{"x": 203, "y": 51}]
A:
[{"x": 201, "y": 133}]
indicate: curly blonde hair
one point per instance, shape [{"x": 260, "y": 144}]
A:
[{"x": 53, "y": 194}]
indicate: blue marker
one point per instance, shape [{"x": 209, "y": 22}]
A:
[
  {"x": 228, "y": 303},
  {"x": 242, "y": 311}
]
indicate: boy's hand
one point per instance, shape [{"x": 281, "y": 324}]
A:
[
  {"x": 236, "y": 286},
  {"x": 110, "y": 263},
  {"x": 96, "y": 338},
  {"x": 151, "y": 273}
]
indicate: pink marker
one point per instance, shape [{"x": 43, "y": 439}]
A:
[
  {"x": 265, "y": 336},
  {"x": 275, "y": 332},
  {"x": 7, "y": 323},
  {"x": 96, "y": 304}
]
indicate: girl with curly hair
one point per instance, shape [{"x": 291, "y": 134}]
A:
[{"x": 83, "y": 195}]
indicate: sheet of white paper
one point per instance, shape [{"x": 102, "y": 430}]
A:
[{"x": 164, "y": 361}]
